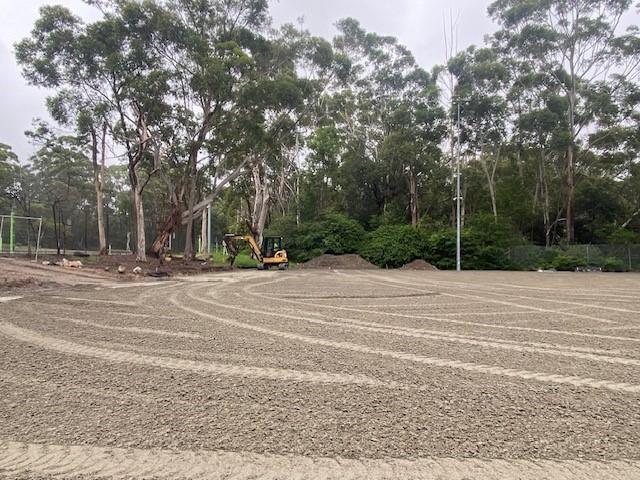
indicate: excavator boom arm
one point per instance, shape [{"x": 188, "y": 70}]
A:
[{"x": 230, "y": 241}]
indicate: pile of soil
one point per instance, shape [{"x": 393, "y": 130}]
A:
[
  {"x": 418, "y": 265},
  {"x": 344, "y": 262},
  {"x": 22, "y": 274}
]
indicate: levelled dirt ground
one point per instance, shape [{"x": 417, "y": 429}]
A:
[{"x": 325, "y": 373}]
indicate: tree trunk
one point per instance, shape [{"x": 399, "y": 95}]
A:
[
  {"x": 203, "y": 232},
  {"x": 546, "y": 201},
  {"x": 413, "y": 199},
  {"x": 189, "y": 253},
  {"x": 260, "y": 202},
  {"x": 98, "y": 178},
  {"x": 55, "y": 227},
  {"x": 171, "y": 224},
  {"x": 141, "y": 255},
  {"x": 570, "y": 196}
]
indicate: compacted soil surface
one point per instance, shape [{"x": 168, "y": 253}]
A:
[{"x": 318, "y": 373}]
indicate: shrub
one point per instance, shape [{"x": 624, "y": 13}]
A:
[
  {"x": 567, "y": 262},
  {"x": 484, "y": 243},
  {"x": 393, "y": 246},
  {"x": 612, "y": 264},
  {"x": 334, "y": 234}
]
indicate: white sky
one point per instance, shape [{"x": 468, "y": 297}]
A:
[{"x": 418, "y": 24}]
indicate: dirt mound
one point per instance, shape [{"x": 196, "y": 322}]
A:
[
  {"x": 418, "y": 265},
  {"x": 345, "y": 262}
]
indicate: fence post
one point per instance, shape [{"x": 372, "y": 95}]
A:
[{"x": 11, "y": 233}]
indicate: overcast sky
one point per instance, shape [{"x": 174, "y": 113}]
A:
[{"x": 418, "y": 24}]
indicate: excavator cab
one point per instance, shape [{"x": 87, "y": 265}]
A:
[{"x": 270, "y": 245}]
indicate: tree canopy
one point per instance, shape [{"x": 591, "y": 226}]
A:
[{"x": 164, "y": 107}]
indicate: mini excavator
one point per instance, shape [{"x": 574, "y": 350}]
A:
[{"x": 271, "y": 253}]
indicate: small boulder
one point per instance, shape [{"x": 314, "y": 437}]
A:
[
  {"x": 121, "y": 269},
  {"x": 46, "y": 263},
  {"x": 137, "y": 271}
]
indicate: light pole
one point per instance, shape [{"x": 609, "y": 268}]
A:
[{"x": 458, "y": 199}]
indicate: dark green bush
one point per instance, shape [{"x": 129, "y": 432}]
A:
[
  {"x": 393, "y": 246},
  {"x": 612, "y": 264},
  {"x": 484, "y": 243},
  {"x": 442, "y": 249},
  {"x": 567, "y": 262},
  {"x": 334, "y": 234}
]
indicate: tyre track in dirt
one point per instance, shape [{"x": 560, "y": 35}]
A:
[
  {"x": 476, "y": 324},
  {"x": 435, "y": 362},
  {"x": 533, "y": 347},
  {"x": 223, "y": 370},
  {"x": 505, "y": 292},
  {"x": 65, "y": 462},
  {"x": 386, "y": 282},
  {"x": 136, "y": 330}
]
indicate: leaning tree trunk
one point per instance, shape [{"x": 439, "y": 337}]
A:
[{"x": 173, "y": 221}]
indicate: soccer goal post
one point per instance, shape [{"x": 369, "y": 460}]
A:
[{"x": 18, "y": 234}]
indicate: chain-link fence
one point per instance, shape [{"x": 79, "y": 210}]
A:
[{"x": 606, "y": 257}]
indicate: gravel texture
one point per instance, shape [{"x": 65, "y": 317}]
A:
[{"x": 323, "y": 374}]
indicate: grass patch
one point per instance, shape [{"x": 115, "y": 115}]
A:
[{"x": 242, "y": 260}]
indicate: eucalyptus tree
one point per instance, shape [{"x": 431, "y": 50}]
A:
[
  {"x": 388, "y": 99},
  {"x": 482, "y": 81},
  {"x": 9, "y": 168},
  {"x": 285, "y": 105},
  {"x": 89, "y": 122},
  {"x": 617, "y": 142},
  {"x": 576, "y": 42},
  {"x": 540, "y": 139},
  {"x": 107, "y": 65},
  {"x": 63, "y": 172}
]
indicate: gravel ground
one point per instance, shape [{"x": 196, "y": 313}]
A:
[{"x": 322, "y": 374}]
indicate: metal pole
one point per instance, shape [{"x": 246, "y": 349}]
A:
[
  {"x": 38, "y": 242},
  {"x": 11, "y": 233},
  {"x": 209, "y": 230},
  {"x": 1, "y": 227},
  {"x": 458, "y": 207}
]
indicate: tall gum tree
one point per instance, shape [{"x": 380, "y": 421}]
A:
[
  {"x": 107, "y": 65},
  {"x": 387, "y": 99},
  {"x": 577, "y": 42},
  {"x": 482, "y": 81}
]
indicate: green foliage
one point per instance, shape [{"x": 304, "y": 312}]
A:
[
  {"x": 613, "y": 264},
  {"x": 442, "y": 249},
  {"x": 334, "y": 234},
  {"x": 563, "y": 259},
  {"x": 566, "y": 262},
  {"x": 484, "y": 245},
  {"x": 393, "y": 246}
]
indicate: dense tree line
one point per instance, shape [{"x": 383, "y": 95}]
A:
[{"x": 163, "y": 107}]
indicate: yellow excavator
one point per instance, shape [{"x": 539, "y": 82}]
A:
[{"x": 271, "y": 253}]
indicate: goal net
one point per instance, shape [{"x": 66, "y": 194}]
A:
[{"x": 20, "y": 235}]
